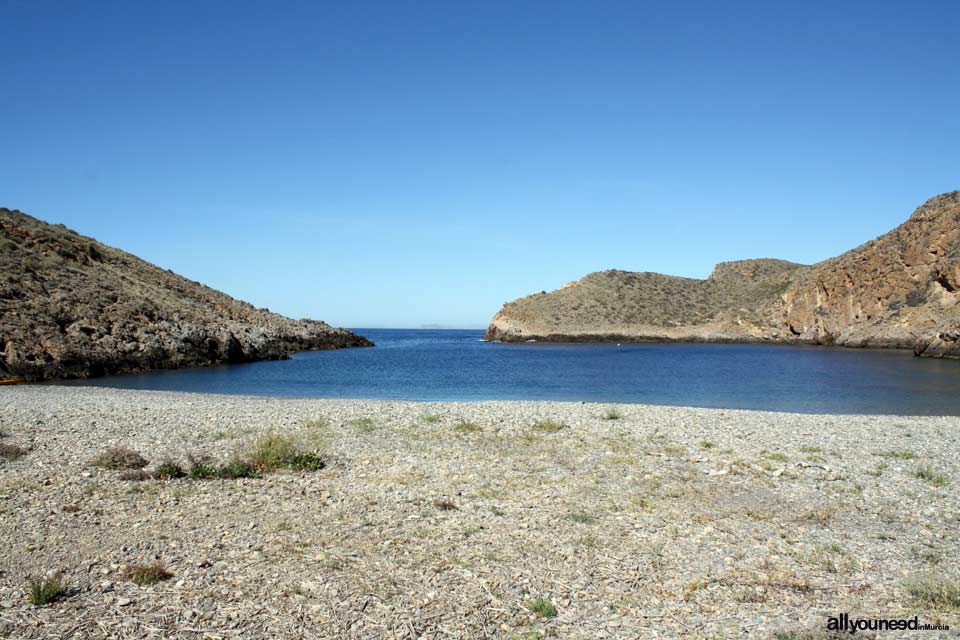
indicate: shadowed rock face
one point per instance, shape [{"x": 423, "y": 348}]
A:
[
  {"x": 900, "y": 290},
  {"x": 71, "y": 307}
]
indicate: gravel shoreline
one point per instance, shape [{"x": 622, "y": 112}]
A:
[{"x": 451, "y": 519}]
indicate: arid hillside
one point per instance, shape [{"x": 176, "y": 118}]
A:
[
  {"x": 73, "y": 307},
  {"x": 899, "y": 290}
]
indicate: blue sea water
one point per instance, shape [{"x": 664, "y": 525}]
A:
[{"x": 459, "y": 365}]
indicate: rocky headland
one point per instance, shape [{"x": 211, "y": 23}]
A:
[
  {"x": 72, "y": 307},
  {"x": 900, "y": 290}
]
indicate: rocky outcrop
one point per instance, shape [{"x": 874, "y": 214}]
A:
[
  {"x": 71, "y": 307},
  {"x": 900, "y": 290}
]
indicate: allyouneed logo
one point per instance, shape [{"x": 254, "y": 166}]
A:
[{"x": 844, "y": 622}]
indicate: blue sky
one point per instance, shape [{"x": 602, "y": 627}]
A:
[{"x": 408, "y": 163}]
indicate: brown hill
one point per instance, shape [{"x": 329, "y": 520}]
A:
[
  {"x": 899, "y": 290},
  {"x": 73, "y": 307}
]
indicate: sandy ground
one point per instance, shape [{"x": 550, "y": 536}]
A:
[{"x": 466, "y": 520}]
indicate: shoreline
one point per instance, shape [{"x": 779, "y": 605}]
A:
[{"x": 441, "y": 519}]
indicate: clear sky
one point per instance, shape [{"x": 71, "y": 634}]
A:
[{"x": 407, "y": 163}]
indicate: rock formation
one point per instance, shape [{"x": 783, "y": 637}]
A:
[
  {"x": 900, "y": 290},
  {"x": 71, "y": 307}
]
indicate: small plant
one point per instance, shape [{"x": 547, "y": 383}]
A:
[
  {"x": 45, "y": 590},
  {"x": 900, "y": 455},
  {"x": 582, "y": 518},
  {"x": 317, "y": 423},
  {"x": 146, "y": 574},
  {"x": 707, "y": 444},
  {"x": 431, "y": 418},
  {"x": 11, "y": 452},
  {"x": 543, "y": 608},
  {"x": 549, "y": 426},
  {"x": 818, "y": 516},
  {"x": 775, "y": 456},
  {"x": 674, "y": 449},
  {"x": 936, "y": 593},
  {"x": 118, "y": 458},
  {"x": 305, "y": 461},
  {"x": 202, "y": 469},
  {"x": 364, "y": 424},
  {"x": 445, "y": 504},
  {"x": 612, "y": 414},
  {"x": 238, "y": 468},
  {"x": 877, "y": 471},
  {"x": 168, "y": 470},
  {"x": 468, "y": 427},
  {"x": 271, "y": 451},
  {"x": 931, "y": 476},
  {"x": 809, "y": 449}
]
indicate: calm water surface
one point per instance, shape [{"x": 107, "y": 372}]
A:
[{"x": 458, "y": 365}]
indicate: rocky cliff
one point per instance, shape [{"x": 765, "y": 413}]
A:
[
  {"x": 900, "y": 290},
  {"x": 72, "y": 307}
]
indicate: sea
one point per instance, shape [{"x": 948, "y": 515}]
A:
[{"x": 452, "y": 365}]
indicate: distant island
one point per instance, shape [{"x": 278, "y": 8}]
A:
[
  {"x": 72, "y": 307},
  {"x": 897, "y": 291}
]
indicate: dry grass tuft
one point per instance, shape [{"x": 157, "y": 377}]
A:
[
  {"x": 147, "y": 574},
  {"x": 118, "y": 458}
]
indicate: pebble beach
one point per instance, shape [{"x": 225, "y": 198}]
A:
[{"x": 473, "y": 519}]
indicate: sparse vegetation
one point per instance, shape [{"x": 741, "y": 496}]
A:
[
  {"x": 900, "y": 455},
  {"x": 582, "y": 518},
  {"x": 147, "y": 574},
  {"x": 270, "y": 452},
  {"x": 202, "y": 469},
  {"x": 543, "y": 607},
  {"x": 431, "y": 418},
  {"x": 776, "y": 456},
  {"x": 11, "y": 452},
  {"x": 119, "y": 458},
  {"x": 237, "y": 468},
  {"x": 549, "y": 426},
  {"x": 936, "y": 593},
  {"x": 168, "y": 470},
  {"x": 931, "y": 476},
  {"x": 707, "y": 444},
  {"x": 41, "y": 591},
  {"x": 364, "y": 424},
  {"x": 818, "y": 516},
  {"x": 612, "y": 414},
  {"x": 468, "y": 427}
]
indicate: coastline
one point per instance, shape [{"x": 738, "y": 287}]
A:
[{"x": 666, "y": 520}]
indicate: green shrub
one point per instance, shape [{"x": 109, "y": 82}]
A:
[
  {"x": 271, "y": 451},
  {"x": 306, "y": 461},
  {"x": 46, "y": 590},
  {"x": 168, "y": 470},
  {"x": 931, "y": 476},
  {"x": 203, "y": 470},
  {"x": 543, "y": 608}
]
